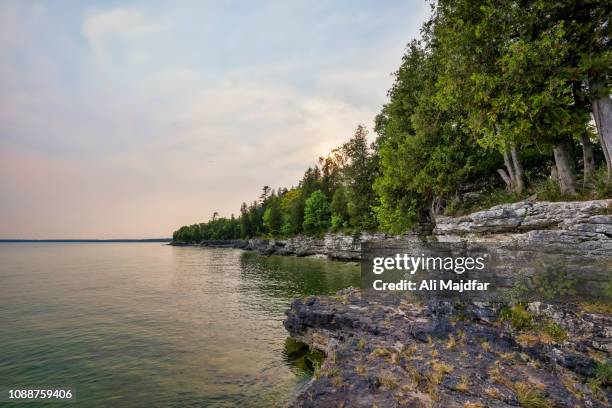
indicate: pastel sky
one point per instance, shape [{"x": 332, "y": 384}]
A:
[{"x": 128, "y": 119}]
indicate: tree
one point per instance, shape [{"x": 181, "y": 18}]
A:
[
  {"x": 510, "y": 66},
  {"x": 339, "y": 209},
  {"x": 246, "y": 228},
  {"x": 311, "y": 181},
  {"x": 359, "y": 174},
  {"x": 292, "y": 208},
  {"x": 332, "y": 171},
  {"x": 587, "y": 26},
  {"x": 316, "y": 213},
  {"x": 425, "y": 152},
  {"x": 272, "y": 217},
  {"x": 265, "y": 193},
  {"x": 492, "y": 89}
]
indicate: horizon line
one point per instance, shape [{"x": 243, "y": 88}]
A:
[{"x": 5, "y": 240}]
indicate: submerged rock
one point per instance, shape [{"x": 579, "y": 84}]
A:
[{"x": 394, "y": 353}]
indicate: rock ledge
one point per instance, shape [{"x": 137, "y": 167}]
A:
[{"x": 402, "y": 354}]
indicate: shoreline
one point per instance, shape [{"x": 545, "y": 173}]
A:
[
  {"x": 440, "y": 355},
  {"x": 583, "y": 227},
  {"x": 392, "y": 352}
]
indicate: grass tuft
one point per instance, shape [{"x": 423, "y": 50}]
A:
[
  {"x": 463, "y": 385},
  {"x": 530, "y": 397},
  {"x": 451, "y": 343},
  {"x": 388, "y": 380},
  {"x": 361, "y": 369},
  {"x": 597, "y": 307}
]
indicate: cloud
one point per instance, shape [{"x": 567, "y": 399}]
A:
[
  {"x": 118, "y": 23},
  {"x": 132, "y": 120}
]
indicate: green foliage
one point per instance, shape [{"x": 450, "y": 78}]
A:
[
  {"x": 484, "y": 79},
  {"x": 359, "y": 174},
  {"x": 337, "y": 223},
  {"x": 339, "y": 209},
  {"x": 272, "y": 218},
  {"x": 188, "y": 234},
  {"x": 555, "y": 282},
  {"x": 425, "y": 152},
  {"x": 316, "y": 213},
  {"x": 247, "y": 228},
  {"x": 216, "y": 229},
  {"x": 518, "y": 316},
  {"x": 597, "y": 307},
  {"x": 602, "y": 185},
  {"x": 556, "y": 332},
  {"x": 292, "y": 207},
  {"x": 488, "y": 199},
  {"x": 548, "y": 190},
  {"x": 603, "y": 372}
]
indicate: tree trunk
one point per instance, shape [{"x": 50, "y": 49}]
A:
[
  {"x": 513, "y": 174},
  {"x": 587, "y": 158},
  {"x": 565, "y": 169},
  {"x": 554, "y": 174},
  {"x": 436, "y": 206},
  {"x": 509, "y": 169},
  {"x": 518, "y": 170},
  {"x": 602, "y": 113},
  {"x": 506, "y": 178}
]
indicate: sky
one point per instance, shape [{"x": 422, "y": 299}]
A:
[{"x": 128, "y": 119}]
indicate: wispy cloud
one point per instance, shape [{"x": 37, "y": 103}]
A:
[{"x": 132, "y": 119}]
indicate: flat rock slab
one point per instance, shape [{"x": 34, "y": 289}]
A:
[{"x": 402, "y": 354}]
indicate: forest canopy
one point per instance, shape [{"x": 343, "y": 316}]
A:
[{"x": 496, "y": 101}]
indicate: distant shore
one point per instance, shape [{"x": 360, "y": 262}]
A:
[{"x": 85, "y": 240}]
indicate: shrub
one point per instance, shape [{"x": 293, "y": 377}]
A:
[{"x": 518, "y": 316}]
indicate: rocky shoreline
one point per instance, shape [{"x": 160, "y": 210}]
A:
[
  {"x": 583, "y": 227},
  {"x": 402, "y": 353},
  {"x": 394, "y": 352},
  {"x": 399, "y": 352}
]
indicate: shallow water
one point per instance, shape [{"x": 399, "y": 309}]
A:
[{"x": 144, "y": 324}]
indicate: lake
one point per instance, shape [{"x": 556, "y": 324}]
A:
[{"x": 151, "y": 325}]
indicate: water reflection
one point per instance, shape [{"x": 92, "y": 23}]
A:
[
  {"x": 286, "y": 277},
  {"x": 146, "y": 325}
]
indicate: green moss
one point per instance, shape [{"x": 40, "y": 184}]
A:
[{"x": 301, "y": 357}]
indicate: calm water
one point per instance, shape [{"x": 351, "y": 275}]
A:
[{"x": 152, "y": 325}]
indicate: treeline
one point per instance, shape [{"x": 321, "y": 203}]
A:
[
  {"x": 336, "y": 194},
  {"x": 495, "y": 95}
]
